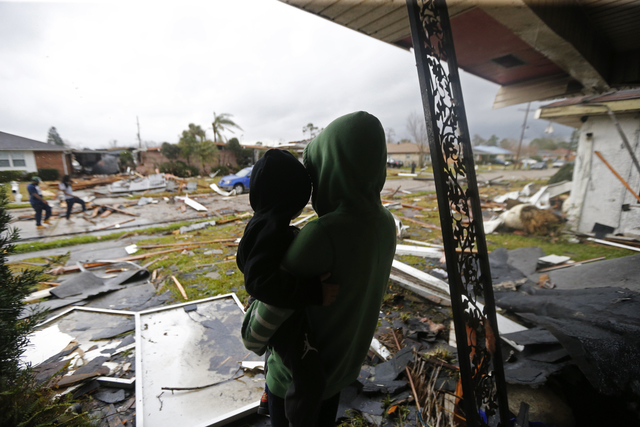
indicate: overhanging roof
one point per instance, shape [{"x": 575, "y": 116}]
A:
[{"x": 534, "y": 49}]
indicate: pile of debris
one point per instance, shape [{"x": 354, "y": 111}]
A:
[{"x": 524, "y": 211}]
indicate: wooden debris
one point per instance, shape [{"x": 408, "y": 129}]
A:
[
  {"x": 147, "y": 265},
  {"x": 617, "y": 245},
  {"x": 116, "y": 208},
  {"x": 70, "y": 380},
  {"x": 180, "y": 288},
  {"x": 114, "y": 224},
  {"x": 406, "y": 368},
  {"x": 571, "y": 264},
  {"x": 49, "y": 283},
  {"x": 544, "y": 281},
  {"x": 112, "y": 417},
  {"x": 420, "y": 223},
  {"x": 75, "y": 268},
  {"x": 625, "y": 183}
]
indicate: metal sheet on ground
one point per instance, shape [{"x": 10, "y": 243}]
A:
[
  {"x": 82, "y": 326},
  {"x": 182, "y": 347}
]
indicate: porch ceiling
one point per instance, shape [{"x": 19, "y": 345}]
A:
[{"x": 535, "y": 49}]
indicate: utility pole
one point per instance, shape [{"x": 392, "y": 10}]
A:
[
  {"x": 524, "y": 126},
  {"x": 140, "y": 140}
]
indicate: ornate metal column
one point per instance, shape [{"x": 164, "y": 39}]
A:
[{"x": 476, "y": 329}]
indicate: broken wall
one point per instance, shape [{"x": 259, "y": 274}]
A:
[{"x": 597, "y": 195}]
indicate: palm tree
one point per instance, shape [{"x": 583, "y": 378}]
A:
[{"x": 222, "y": 123}]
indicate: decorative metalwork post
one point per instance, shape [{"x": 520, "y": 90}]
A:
[{"x": 481, "y": 369}]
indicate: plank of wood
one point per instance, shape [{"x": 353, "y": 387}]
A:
[
  {"x": 112, "y": 417},
  {"x": 420, "y": 223},
  {"x": 617, "y": 245},
  {"x": 597, "y": 153},
  {"x": 180, "y": 288},
  {"x": 558, "y": 267},
  {"x": 49, "y": 283},
  {"x": 117, "y": 209},
  {"x": 114, "y": 224},
  {"x": 106, "y": 213}
]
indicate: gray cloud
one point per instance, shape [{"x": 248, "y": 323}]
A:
[{"x": 90, "y": 69}]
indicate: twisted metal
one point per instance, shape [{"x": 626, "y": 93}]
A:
[{"x": 460, "y": 214}]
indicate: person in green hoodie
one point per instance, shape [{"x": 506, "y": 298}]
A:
[{"x": 354, "y": 239}]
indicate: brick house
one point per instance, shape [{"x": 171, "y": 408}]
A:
[{"x": 24, "y": 154}]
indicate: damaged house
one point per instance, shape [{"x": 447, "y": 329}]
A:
[{"x": 606, "y": 175}]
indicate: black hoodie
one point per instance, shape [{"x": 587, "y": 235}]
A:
[{"x": 280, "y": 188}]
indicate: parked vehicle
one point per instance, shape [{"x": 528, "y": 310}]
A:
[
  {"x": 497, "y": 161},
  {"x": 558, "y": 164},
  {"x": 238, "y": 182},
  {"x": 539, "y": 166},
  {"x": 394, "y": 163}
]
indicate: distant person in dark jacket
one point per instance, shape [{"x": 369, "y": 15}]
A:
[
  {"x": 70, "y": 199},
  {"x": 38, "y": 203}
]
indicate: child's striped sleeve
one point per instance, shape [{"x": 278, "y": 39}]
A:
[{"x": 260, "y": 322}]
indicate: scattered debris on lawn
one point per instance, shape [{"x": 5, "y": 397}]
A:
[
  {"x": 140, "y": 183},
  {"x": 550, "y": 329}
]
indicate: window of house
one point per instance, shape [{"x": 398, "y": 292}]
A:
[
  {"x": 17, "y": 159},
  {"x": 4, "y": 160},
  {"x": 408, "y": 156}
]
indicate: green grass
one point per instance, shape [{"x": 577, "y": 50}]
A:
[
  {"x": 81, "y": 240},
  {"x": 556, "y": 246},
  {"x": 17, "y": 206},
  {"x": 191, "y": 268}
]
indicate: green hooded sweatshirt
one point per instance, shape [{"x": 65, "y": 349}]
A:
[{"x": 354, "y": 239}]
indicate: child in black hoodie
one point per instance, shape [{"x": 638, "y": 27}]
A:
[{"x": 280, "y": 189}]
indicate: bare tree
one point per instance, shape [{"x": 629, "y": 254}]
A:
[
  {"x": 418, "y": 132},
  {"x": 390, "y": 136}
]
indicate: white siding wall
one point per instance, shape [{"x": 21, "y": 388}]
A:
[
  {"x": 597, "y": 195},
  {"x": 30, "y": 162}
]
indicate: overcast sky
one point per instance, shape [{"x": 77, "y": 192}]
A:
[{"x": 90, "y": 68}]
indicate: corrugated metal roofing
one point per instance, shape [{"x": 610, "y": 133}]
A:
[
  {"x": 615, "y": 96},
  {"x": 10, "y": 142}
]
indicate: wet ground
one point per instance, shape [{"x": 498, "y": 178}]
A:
[{"x": 152, "y": 214}]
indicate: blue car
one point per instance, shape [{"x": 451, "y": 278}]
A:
[{"x": 239, "y": 181}]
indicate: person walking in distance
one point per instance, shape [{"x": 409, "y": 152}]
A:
[
  {"x": 70, "y": 199},
  {"x": 38, "y": 203}
]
